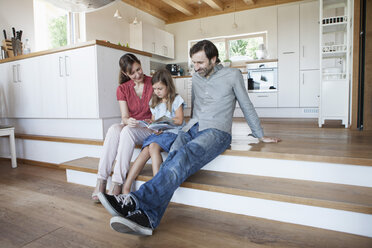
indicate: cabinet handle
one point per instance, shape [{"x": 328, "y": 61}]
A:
[
  {"x": 60, "y": 67},
  {"x": 153, "y": 47},
  {"x": 18, "y": 74},
  {"x": 66, "y": 65},
  {"x": 303, "y": 78},
  {"x": 288, "y": 52},
  {"x": 14, "y": 74},
  {"x": 263, "y": 96},
  {"x": 303, "y": 51}
]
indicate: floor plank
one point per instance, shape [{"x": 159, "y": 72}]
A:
[{"x": 39, "y": 209}]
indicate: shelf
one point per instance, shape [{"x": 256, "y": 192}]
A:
[
  {"x": 334, "y": 27},
  {"x": 330, "y": 55}
]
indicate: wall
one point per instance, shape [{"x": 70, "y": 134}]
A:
[
  {"x": 249, "y": 21},
  {"x": 102, "y": 25},
  {"x": 20, "y": 15}
]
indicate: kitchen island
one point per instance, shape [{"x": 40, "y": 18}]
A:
[{"x": 68, "y": 91}]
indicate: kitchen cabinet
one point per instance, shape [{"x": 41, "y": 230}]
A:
[
  {"x": 309, "y": 88},
  {"x": 288, "y": 56},
  {"x": 309, "y": 36},
  {"x": 264, "y": 99},
  {"x": 150, "y": 39},
  {"x": 335, "y": 60},
  {"x": 183, "y": 87},
  {"x": 19, "y": 81}
]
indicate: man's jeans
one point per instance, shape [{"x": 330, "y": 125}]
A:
[{"x": 190, "y": 152}]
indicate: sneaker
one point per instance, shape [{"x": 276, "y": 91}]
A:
[
  {"x": 117, "y": 205},
  {"x": 135, "y": 223}
]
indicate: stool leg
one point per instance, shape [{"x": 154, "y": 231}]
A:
[{"x": 13, "y": 149}]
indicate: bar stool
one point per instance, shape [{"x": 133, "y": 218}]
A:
[{"x": 9, "y": 131}]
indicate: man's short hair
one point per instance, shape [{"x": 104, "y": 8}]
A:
[{"x": 208, "y": 47}]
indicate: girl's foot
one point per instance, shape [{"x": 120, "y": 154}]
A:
[
  {"x": 116, "y": 188},
  {"x": 100, "y": 187}
]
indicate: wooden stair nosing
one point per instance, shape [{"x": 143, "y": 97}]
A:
[
  {"x": 146, "y": 175},
  {"x": 256, "y": 154}
]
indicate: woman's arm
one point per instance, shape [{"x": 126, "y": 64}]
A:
[
  {"x": 178, "y": 119},
  {"x": 127, "y": 120}
]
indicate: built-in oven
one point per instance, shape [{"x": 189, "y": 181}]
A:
[{"x": 262, "y": 76}]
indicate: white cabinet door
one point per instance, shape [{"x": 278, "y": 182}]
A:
[
  {"x": 309, "y": 36},
  {"x": 288, "y": 56},
  {"x": 81, "y": 75},
  {"x": 23, "y": 89},
  {"x": 148, "y": 38},
  {"x": 309, "y": 88},
  {"x": 288, "y": 87},
  {"x": 288, "y": 29},
  {"x": 335, "y": 96},
  {"x": 53, "y": 86},
  {"x": 169, "y": 45}
]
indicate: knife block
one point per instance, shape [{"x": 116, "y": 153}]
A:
[{"x": 10, "y": 49}]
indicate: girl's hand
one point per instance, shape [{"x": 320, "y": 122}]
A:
[
  {"x": 132, "y": 122},
  {"x": 148, "y": 120},
  {"x": 158, "y": 132},
  {"x": 270, "y": 139}
]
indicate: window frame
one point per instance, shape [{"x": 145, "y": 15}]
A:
[{"x": 226, "y": 39}]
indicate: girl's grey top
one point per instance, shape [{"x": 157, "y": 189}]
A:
[{"x": 214, "y": 99}]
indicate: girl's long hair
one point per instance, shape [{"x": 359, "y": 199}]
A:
[
  {"x": 165, "y": 78},
  {"x": 126, "y": 62}
]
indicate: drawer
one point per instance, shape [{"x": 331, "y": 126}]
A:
[{"x": 264, "y": 100}]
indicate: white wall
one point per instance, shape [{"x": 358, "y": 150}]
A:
[
  {"x": 102, "y": 25},
  {"x": 20, "y": 15},
  {"x": 249, "y": 21}
]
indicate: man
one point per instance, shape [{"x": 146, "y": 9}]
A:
[{"x": 207, "y": 135}]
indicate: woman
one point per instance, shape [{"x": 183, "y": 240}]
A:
[{"x": 133, "y": 94}]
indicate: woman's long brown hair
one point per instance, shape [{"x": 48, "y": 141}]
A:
[
  {"x": 165, "y": 78},
  {"x": 126, "y": 62}
]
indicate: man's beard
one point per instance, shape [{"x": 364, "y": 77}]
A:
[{"x": 206, "y": 71}]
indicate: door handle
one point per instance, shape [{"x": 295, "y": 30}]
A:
[
  {"x": 303, "y": 78},
  {"x": 60, "y": 67},
  {"x": 288, "y": 52},
  {"x": 18, "y": 74},
  {"x": 66, "y": 65},
  {"x": 14, "y": 73}
]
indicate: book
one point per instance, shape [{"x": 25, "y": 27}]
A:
[{"x": 163, "y": 123}]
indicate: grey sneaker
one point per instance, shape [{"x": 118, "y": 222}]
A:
[
  {"x": 117, "y": 205},
  {"x": 135, "y": 223}
]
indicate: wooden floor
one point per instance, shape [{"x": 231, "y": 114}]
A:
[
  {"x": 39, "y": 209},
  {"x": 303, "y": 137}
]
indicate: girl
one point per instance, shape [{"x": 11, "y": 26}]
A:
[
  {"x": 133, "y": 95},
  {"x": 164, "y": 102}
]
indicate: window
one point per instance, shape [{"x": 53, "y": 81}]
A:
[
  {"x": 54, "y": 27},
  {"x": 237, "y": 48}
]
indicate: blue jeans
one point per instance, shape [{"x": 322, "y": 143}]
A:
[{"x": 190, "y": 152}]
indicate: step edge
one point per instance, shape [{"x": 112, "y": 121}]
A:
[{"x": 229, "y": 152}]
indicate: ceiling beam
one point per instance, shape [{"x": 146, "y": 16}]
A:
[
  {"x": 214, "y": 4},
  {"x": 180, "y": 6},
  {"x": 148, "y": 8},
  {"x": 250, "y": 1}
]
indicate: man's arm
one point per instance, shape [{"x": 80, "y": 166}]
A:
[{"x": 249, "y": 111}]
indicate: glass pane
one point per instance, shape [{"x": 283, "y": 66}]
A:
[
  {"x": 50, "y": 25},
  {"x": 221, "y": 49},
  {"x": 244, "y": 49}
]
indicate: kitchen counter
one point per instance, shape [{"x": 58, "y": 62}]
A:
[{"x": 76, "y": 46}]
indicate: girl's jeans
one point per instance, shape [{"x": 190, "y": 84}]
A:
[{"x": 189, "y": 153}]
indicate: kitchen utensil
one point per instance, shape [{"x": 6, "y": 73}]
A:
[
  {"x": 17, "y": 47},
  {"x": 14, "y": 32},
  {"x": 20, "y": 35},
  {"x": 4, "y": 34}
]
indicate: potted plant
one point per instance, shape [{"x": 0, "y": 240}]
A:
[{"x": 226, "y": 63}]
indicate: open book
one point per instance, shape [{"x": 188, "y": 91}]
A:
[{"x": 162, "y": 123}]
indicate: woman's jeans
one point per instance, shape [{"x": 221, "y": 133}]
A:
[{"x": 190, "y": 152}]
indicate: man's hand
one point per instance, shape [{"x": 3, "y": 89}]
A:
[{"x": 270, "y": 139}]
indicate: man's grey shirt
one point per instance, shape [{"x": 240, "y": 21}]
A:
[{"x": 214, "y": 99}]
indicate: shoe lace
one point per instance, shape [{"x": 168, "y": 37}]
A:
[{"x": 124, "y": 200}]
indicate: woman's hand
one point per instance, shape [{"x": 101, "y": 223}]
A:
[
  {"x": 148, "y": 120},
  {"x": 270, "y": 139},
  {"x": 158, "y": 132},
  {"x": 131, "y": 122}
]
